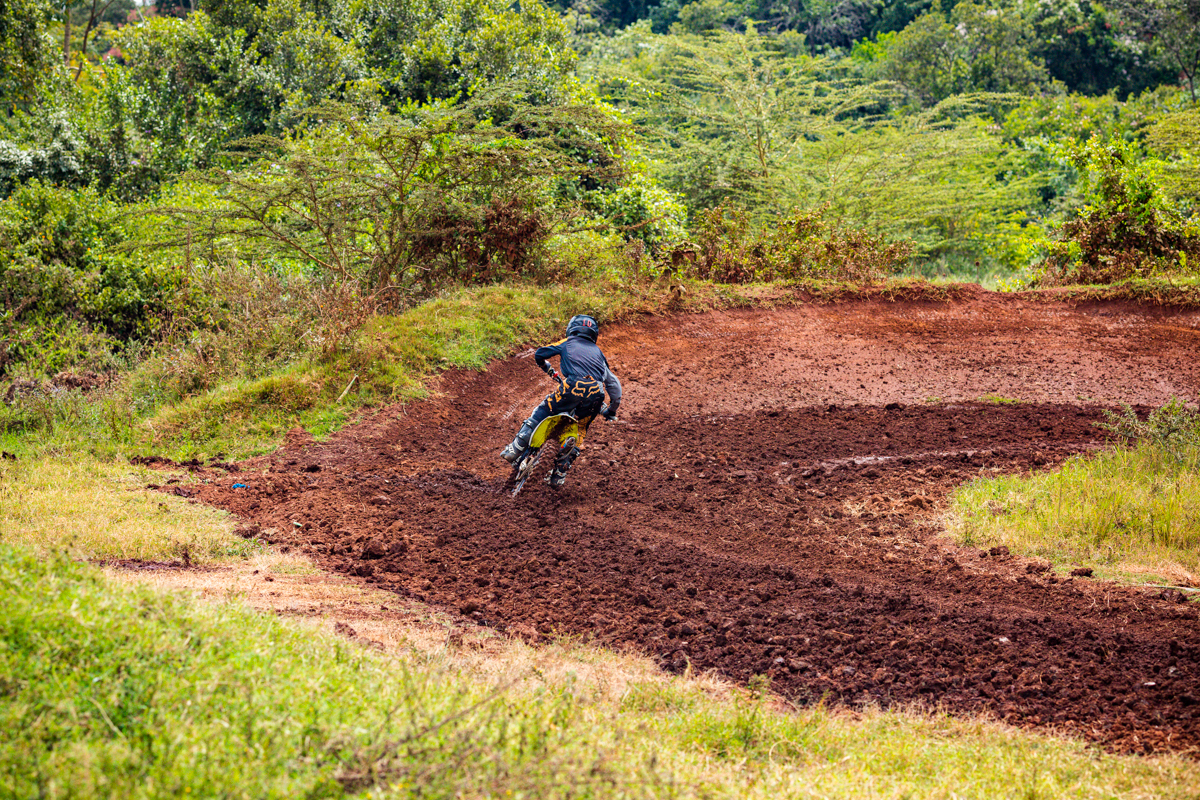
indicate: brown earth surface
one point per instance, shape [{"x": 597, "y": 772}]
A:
[{"x": 770, "y": 504}]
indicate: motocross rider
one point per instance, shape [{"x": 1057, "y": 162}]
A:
[{"x": 584, "y": 380}]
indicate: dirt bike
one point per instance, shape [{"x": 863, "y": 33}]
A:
[{"x": 565, "y": 429}]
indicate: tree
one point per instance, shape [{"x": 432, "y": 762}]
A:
[
  {"x": 26, "y": 52},
  {"x": 1173, "y": 26},
  {"x": 93, "y": 15},
  {"x": 1081, "y": 46},
  {"x": 978, "y": 49},
  {"x": 1173, "y": 136},
  {"x": 729, "y": 112},
  {"x": 395, "y": 206}
]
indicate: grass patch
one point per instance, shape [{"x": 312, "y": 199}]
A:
[
  {"x": 1179, "y": 292},
  {"x": 115, "y": 690},
  {"x": 1000, "y": 400},
  {"x": 100, "y": 510},
  {"x": 390, "y": 359},
  {"x": 1131, "y": 510}
]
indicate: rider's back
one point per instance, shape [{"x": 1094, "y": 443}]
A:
[{"x": 578, "y": 358}]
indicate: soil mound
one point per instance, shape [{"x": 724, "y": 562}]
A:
[{"x": 771, "y": 506}]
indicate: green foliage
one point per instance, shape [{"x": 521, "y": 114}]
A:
[
  {"x": 1171, "y": 27},
  {"x": 801, "y": 246},
  {"x": 427, "y": 50},
  {"x": 641, "y": 210},
  {"x": 941, "y": 177},
  {"x": 1084, "y": 47},
  {"x": 978, "y": 49},
  {"x": 730, "y": 113},
  {"x": 54, "y": 158},
  {"x": 1174, "y": 137},
  {"x": 1125, "y": 230},
  {"x": 26, "y": 52},
  {"x": 397, "y": 206},
  {"x": 67, "y": 297}
]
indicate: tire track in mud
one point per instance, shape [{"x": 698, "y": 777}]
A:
[{"x": 794, "y": 539}]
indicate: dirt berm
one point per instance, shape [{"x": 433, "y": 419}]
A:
[{"x": 770, "y": 504}]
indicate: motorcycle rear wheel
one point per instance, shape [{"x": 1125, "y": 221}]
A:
[{"x": 527, "y": 466}]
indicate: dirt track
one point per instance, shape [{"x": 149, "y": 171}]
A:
[{"x": 770, "y": 506}]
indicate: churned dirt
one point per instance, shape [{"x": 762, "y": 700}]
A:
[{"x": 770, "y": 505}]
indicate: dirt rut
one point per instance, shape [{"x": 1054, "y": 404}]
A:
[{"x": 771, "y": 506}]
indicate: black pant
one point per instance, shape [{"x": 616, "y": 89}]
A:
[{"x": 582, "y": 397}]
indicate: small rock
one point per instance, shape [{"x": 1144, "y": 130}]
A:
[
  {"x": 1081, "y": 572},
  {"x": 999, "y": 550}
]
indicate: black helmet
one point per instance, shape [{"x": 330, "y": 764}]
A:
[{"x": 583, "y": 325}]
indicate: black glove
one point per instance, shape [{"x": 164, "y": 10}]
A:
[
  {"x": 609, "y": 411},
  {"x": 553, "y": 373}
]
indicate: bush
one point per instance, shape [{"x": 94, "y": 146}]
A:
[
  {"x": 1173, "y": 429},
  {"x": 55, "y": 159},
  {"x": 642, "y": 210},
  {"x": 400, "y": 206},
  {"x": 62, "y": 281},
  {"x": 802, "y": 246},
  {"x": 1126, "y": 230}
]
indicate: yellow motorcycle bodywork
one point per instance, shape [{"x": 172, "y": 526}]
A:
[{"x": 560, "y": 427}]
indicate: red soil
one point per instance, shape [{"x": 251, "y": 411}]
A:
[{"x": 770, "y": 505}]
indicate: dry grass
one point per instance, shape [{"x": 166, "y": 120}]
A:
[{"x": 99, "y": 510}]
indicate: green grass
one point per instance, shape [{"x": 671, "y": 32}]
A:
[
  {"x": 111, "y": 690},
  {"x": 1000, "y": 400},
  {"x": 1129, "y": 510},
  {"x": 1182, "y": 292}
]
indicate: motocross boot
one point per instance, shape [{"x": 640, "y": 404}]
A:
[
  {"x": 558, "y": 476},
  {"x": 514, "y": 450}
]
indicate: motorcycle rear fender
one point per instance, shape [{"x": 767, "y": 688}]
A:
[{"x": 558, "y": 426}]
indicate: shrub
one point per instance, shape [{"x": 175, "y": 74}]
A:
[
  {"x": 801, "y": 246},
  {"x": 1126, "y": 230},
  {"x": 1173, "y": 429},
  {"x": 61, "y": 280}
]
